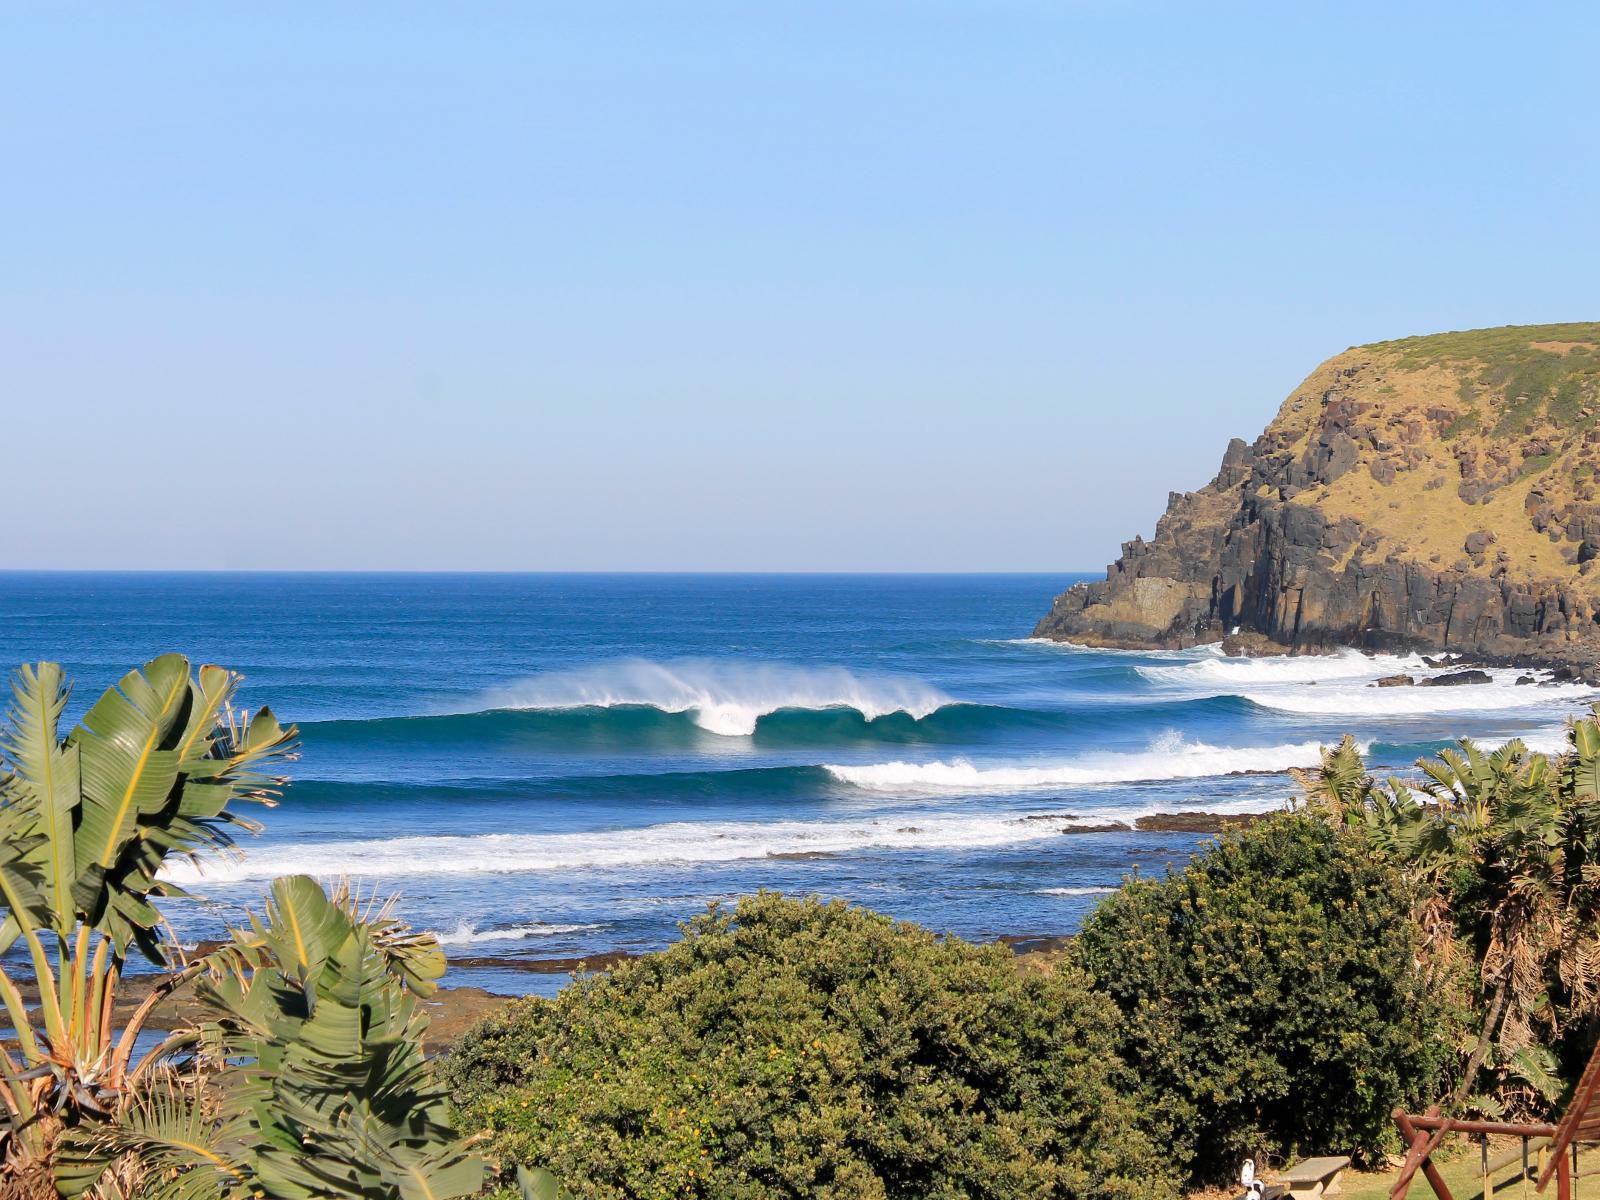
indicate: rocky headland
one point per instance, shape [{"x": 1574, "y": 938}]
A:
[{"x": 1434, "y": 493}]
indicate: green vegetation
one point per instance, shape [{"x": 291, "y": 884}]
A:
[
  {"x": 1502, "y": 849},
  {"x": 1271, "y": 998},
  {"x": 311, "y": 1036},
  {"x": 1387, "y": 942},
  {"x": 1532, "y": 371},
  {"x": 1502, "y": 344},
  {"x": 1465, "y": 422},
  {"x": 791, "y": 1048}
]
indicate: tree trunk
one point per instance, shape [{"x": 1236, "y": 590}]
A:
[{"x": 1497, "y": 1007}]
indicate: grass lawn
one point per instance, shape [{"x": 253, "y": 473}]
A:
[{"x": 1460, "y": 1175}]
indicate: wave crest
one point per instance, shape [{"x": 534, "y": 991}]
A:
[{"x": 726, "y": 698}]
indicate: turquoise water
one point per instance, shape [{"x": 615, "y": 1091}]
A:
[{"x": 552, "y": 765}]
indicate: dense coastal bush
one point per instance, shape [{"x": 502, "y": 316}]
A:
[
  {"x": 791, "y": 1048},
  {"x": 1270, "y": 996}
]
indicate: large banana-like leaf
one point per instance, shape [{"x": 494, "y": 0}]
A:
[
  {"x": 129, "y": 758},
  {"x": 22, "y": 879},
  {"x": 160, "y": 758},
  {"x": 44, "y": 783},
  {"x": 1583, "y": 769},
  {"x": 303, "y": 927},
  {"x": 536, "y": 1183}
]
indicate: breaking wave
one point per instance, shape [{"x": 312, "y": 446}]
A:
[{"x": 726, "y": 698}]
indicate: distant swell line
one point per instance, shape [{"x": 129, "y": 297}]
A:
[{"x": 955, "y": 721}]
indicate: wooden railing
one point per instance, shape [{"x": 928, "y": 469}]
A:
[{"x": 1423, "y": 1134}]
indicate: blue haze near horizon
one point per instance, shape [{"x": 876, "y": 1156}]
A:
[
  {"x": 866, "y": 286},
  {"x": 549, "y": 766}
]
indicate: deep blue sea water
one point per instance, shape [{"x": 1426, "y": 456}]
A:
[{"x": 554, "y": 765}]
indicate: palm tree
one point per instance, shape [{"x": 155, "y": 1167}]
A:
[{"x": 312, "y": 1033}]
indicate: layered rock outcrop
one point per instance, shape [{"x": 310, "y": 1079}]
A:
[{"x": 1433, "y": 493}]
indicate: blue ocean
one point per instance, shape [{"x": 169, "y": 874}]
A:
[{"x": 553, "y": 766}]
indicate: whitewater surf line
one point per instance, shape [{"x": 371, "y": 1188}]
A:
[
  {"x": 468, "y": 934},
  {"x": 1168, "y": 758},
  {"x": 668, "y": 844},
  {"x": 1215, "y": 671},
  {"x": 1502, "y": 695}
]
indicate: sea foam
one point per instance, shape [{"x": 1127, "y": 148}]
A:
[
  {"x": 1342, "y": 684},
  {"x": 1169, "y": 757},
  {"x": 1216, "y": 672},
  {"x": 1364, "y": 700},
  {"x": 669, "y": 844},
  {"x": 722, "y": 697},
  {"x": 467, "y": 934}
]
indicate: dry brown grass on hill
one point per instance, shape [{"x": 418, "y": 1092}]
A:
[{"x": 1493, "y": 432}]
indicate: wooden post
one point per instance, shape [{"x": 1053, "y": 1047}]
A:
[
  {"x": 1563, "y": 1176},
  {"x": 1420, "y": 1146}
]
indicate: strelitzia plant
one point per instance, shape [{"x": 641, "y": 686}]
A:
[
  {"x": 1504, "y": 849},
  {"x": 305, "y": 1079}
]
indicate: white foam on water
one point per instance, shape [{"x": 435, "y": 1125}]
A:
[
  {"x": 1541, "y": 741},
  {"x": 1360, "y": 699},
  {"x": 726, "y": 698},
  {"x": 1217, "y": 673},
  {"x": 1169, "y": 757},
  {"x": 467, "y": 934},
  {"x": 1074, "y": 891},
  {"x": 1342, "y": 684},
  {"x": 668, "y": 844}
]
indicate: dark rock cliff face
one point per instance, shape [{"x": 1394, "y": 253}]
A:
[{"x": 1241, "y": 555}]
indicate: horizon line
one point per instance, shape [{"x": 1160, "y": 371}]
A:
[{"x": 13, "y": 571}]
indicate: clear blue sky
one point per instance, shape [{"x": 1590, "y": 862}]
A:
[{"x": 863, "y": 286}]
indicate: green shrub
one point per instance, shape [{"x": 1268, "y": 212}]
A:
[
  {"x": 792, "y": 1048},
  {"x": 1271, "y": 997}
]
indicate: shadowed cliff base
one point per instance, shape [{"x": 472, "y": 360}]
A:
[{"x": 1434, "y": 493}]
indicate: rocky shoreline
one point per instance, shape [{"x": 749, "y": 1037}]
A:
[{"x": 1406, "y": 498}]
